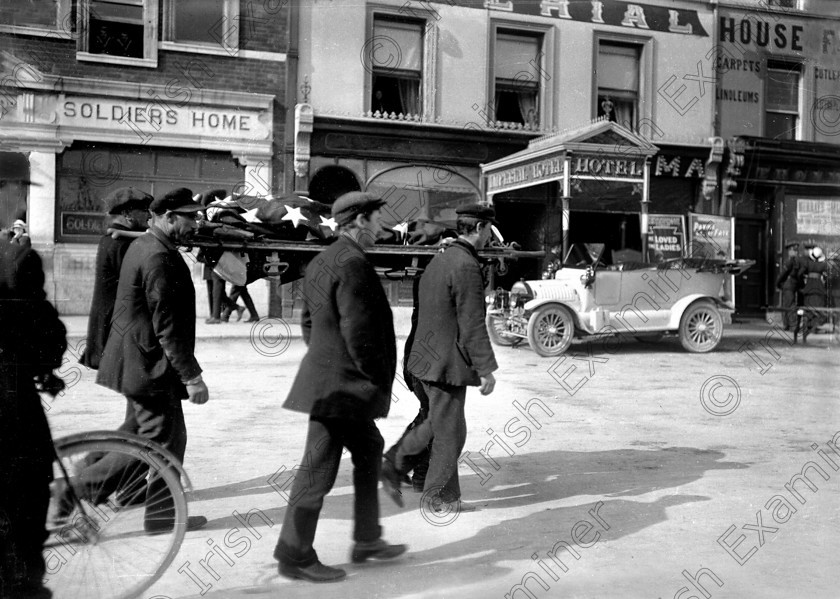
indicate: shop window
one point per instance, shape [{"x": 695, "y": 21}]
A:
[
  {"x": 118, "y": 31},
  {"x": 517, "y": 65},
  {"x": 618, "y": 82},
  {"x": 781, "y": 120},
  {"x": 206, "y": 24},
  {"x": 396, "y": 64},
  {"x": 26, "y": 13}
]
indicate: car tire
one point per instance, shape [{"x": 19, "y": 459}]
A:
[
  {"x": 701, "y": 327},
  {"x": 551, "y": 329},
  {"x": 495, "y": 330}
]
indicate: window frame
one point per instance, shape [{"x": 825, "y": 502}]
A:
[
  {"x": 545, "y": 96},
  {"x": 229, "y": 46},
  {"x": 150, "y": 36},
  {"x": 785, "y": 65},
  {"x": 61, "y": 26},
  {"x": 644, "y": 101},
  {"x": 428, "y": 69}
]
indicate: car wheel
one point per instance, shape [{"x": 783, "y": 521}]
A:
[
  {"x": 497, "y": 330},
  {"x": 701, "y": 327},
  {"x": 550, "y": 330}
]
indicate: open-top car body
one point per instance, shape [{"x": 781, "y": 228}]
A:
[{"x": 584, "y": 297}]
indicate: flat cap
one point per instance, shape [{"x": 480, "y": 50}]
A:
[
  {"x": 350, "y": 204},
  {"x": 177, "y": 200},
  {"x": 126, "y": 198},
  {"x": 14, "y": 166},
  {"x": 479, "y": 211},
  {"x": 793, "y": 244}
]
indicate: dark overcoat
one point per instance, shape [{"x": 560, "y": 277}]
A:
[
  {"x": 349, "y": 366},
  {"x": 451, "y": 344},
  {"x": 151, "y": 346},
  {"x": 790, "y": 278},
  {"x": 813, "y": 291},
  {"x": 109, "y": 258}
]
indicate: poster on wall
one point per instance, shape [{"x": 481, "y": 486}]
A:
[
  {"x": 666, "y": 237},
  {"x": 711, "y": 236}
]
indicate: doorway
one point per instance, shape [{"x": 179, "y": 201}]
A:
[{"x": 751, "y": 286}]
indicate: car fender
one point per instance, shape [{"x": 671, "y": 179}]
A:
[
  {"x": 682, "y": 304},
  {"x": 534, "y": 304}
]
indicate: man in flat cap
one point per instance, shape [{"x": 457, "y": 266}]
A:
[
  {"x": 150, "y": 353},
  {"x": 789, "y": 283},
  {"x": 32, "y": 343},
  {"x": 344, "y": 383},
  {"x": 451, "y": 350}
]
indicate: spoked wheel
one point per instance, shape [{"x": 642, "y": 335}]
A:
[
  {"x": 701, "y": 327},
  {"x": 497, "y": 331},
  {"x": 114, "y": 529},
  {"x": 550, "y": 330}
]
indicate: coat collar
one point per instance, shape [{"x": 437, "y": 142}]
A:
[
  {"x": 162, "y": 237},
  {"x": 468, "y": 247}
]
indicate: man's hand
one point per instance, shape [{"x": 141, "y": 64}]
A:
[
  {"x": 198, "y": 393},
  {"x": 488, "y": 383}
]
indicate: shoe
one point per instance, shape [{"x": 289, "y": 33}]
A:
[
  {"x": 391, "y": 481},
  {"x": 253, "y": 319},
  {"x": 157, "y": 527},
  {"x": 418, "y": 484},
  {"x": 239, "y": 312},
  {"x": 317, "y": 572},
  {"x": 377, "y": 550},
  {"x": 225, "y": 316},
  {"x": 212, "y": 321}
]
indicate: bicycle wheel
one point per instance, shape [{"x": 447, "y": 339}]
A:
[{"x": 98, "y": 546}]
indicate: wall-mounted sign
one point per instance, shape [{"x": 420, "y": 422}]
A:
[
  {"x": 679, "y": 166},
  {"x": 666, "y": 237},
  {"x": 818, "y": 217},
  {"x": 146, "y": 119},
  {"x": 603, "y": 12},
  {"x": 525, "y": 175},
  {"x": 711, "y": 236},
  {"x": 601, "y": 166},
  {"x": 87, "y": 224}
]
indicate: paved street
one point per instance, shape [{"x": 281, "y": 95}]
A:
[{"x": 636, "y": 466}]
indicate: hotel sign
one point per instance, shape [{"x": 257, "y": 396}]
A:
[{"x": 583, "y": 166}]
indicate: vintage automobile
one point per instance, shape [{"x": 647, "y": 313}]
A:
[{"x": 584, "y": 297}]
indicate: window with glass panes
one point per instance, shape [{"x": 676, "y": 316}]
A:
[
  {"x": 203, "y": 22},
  {"x": 781, "y": 106},
  {"x": 396, "y": 62},
  {"x": 618, "y": 82},
  {"x": 516, "y": 68}
]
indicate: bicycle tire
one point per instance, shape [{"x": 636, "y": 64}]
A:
[{"x": 106, "y": 552}]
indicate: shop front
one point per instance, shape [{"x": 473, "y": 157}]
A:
[{"x": 85, "y": 138}]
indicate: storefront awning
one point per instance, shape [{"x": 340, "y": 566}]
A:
[{"x": 601, "y": 150}]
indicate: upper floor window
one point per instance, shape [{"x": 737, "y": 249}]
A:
[
  {"x": 784, "y": 3},
  {"x": 118, "y": 31},
  {"x": 203, "y": 23},
  {"x": 618, "y": 82},
  {"x": 25, "y": 13},
  {"x": 782, "y": 100},
  {"x": 517, "y": 66},
  {"x": 396, "y": 65}
]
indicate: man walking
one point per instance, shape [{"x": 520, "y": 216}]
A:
[
  {"x": 344, "y": 383},
  {"x": 150, "y": 353},
  {"x": 32, "y": 343},
  {"x": 790, "y": 283},
  {"x": 450, "y": 351}
]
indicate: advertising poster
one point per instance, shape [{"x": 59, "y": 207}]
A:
[
  {"x": 711, "y": 236},
  {"x": 666, "y": 237}
]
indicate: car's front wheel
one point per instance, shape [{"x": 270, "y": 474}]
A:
[
  {"x": 701, "y": 327},
  {"x": 550, "y": 330},
  {"x": 497, "y": 330}
]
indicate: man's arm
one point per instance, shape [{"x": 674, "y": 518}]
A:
[{"x": 468, "y": 293}]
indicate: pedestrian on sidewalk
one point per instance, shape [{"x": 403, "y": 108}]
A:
[
  {"x": 238, "y": 291},
  {"x": 150, "y": 353},
  {"x": 789, "y": 283},
  {"x": 813, "y": 292},
  {"x": 344, "y": 383},
  {"x": 221, "y": 305},
  {"x": 450, "y": 351}
]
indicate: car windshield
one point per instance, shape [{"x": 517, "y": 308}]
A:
[{"x": 581, "y": 255}]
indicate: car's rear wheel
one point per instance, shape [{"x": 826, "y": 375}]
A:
[
  {"x": 550, "y": 330},
  {"x": 701, "y": 327},
  {"x": 497, "y": 330}
]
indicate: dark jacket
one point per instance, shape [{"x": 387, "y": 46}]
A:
[
  {"x": 791, "y": 276},
  {"x": 109, "y": 258},
  {"x": 32, "y": 342},
  {"x": 814, "y": 287},
  {"x": 451, "y": 344},
  {"x": 151, "y": 346},
  {"x": 349, "y": 367}
]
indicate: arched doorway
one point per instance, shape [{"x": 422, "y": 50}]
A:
[{"x": 331, "y": 182}]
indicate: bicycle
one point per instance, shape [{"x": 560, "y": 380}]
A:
[{"x": 101, "y": 546}]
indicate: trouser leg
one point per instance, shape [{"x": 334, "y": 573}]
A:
[
  {"x": 449, "y": 429},
  {"x": 314, "y": 478},
  {"x": 365, "y": 444}
]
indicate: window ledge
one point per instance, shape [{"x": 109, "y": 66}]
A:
[
  {"x": 36, "y": 31},
  {"x": 123, "y": 60},
  {"x": 197, "y": 48}
]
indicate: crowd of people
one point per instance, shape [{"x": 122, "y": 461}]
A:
[{"x": 141, "y": 341}]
